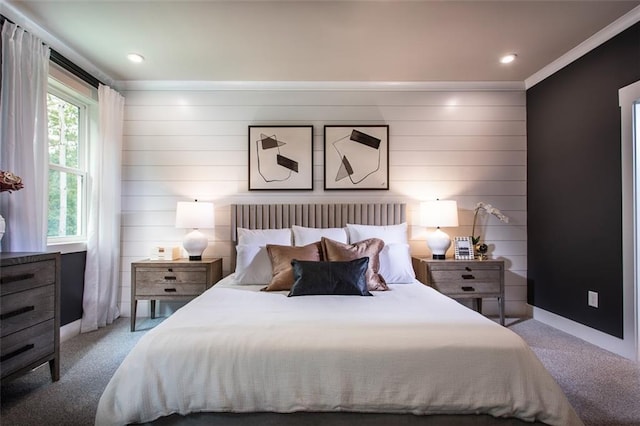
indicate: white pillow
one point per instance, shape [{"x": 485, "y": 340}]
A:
[
  {"x": 262, "y": 237},
  {"x": 395, "y": 264},
  {"x": 390, "y": 234},
  {"x": 303, "y": 236},
  {"x": 253, "y": 265}
]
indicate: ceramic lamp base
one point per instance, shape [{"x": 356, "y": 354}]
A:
[
  {"x": 194, "y": 243},
  {"x": 439, "y": 242}
]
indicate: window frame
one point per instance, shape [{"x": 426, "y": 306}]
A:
[{"x": 84, "y": 104}]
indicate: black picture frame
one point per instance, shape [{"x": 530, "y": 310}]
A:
[
  {"x": 280, "y": 157},
  {"x": 356, "y": 157}
]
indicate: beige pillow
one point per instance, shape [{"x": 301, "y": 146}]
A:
[
  {"x": 281, "y": 257},
  {"x": 371, "y": 247}
]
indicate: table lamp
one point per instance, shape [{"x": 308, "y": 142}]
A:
[
  {"x": 194, "y": 215},
  {"x": 437, "y": 214}
]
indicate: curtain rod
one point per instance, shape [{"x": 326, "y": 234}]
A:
[{"x": 59, "y": 59}]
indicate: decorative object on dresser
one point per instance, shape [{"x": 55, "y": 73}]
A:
[
  {"x": 464, "y": 279},
  {"x": 29, "y": 313},
  {"x": 195, "y": 215},
  {"x": 8, "y": 182},
  {"x": 436, "y": 214},
  {"x": 280, "y": 157},
  {"x": 180, "y": 279},
  {"x": 356, "y": 157},
  {"x": 481, "y": 207}
]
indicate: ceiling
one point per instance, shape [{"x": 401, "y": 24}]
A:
[{"x": 387, "y": 41}]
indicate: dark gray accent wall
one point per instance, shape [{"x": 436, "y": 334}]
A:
[
  {"x": 574, "y": 186},
  {"x": 72, "y": 286}
]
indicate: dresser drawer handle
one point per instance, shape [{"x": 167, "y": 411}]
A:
[
  {"x": 468, "y": 277},
  {"x": 17, "y": 312},
  {"x": 468, "y": 288},
  {"x": 466, "y": 268},
  {"x": 170, "y": 278},
  {"x": 12, "y": 278},
  {"x": 170, "y": 290},
  {"x": 17, "y": 352}
]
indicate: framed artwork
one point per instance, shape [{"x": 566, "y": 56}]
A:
[
  {"x": 463, "y": 248},
  {"x": 280, "y": 157},
  {"x": 356, "y": 157}
]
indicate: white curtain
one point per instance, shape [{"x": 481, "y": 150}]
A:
[
  {"x": 24, "y": 139},
  {"x": 102, "y": 273}
]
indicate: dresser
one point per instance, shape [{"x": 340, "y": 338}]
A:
[
  {"x": 29, "y": 313},
  {"x": 464, "y": 279},
  {"x": 180, "y": 279}
]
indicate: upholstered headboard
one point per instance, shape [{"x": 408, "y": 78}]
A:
[{"x": 274, "y": 216}]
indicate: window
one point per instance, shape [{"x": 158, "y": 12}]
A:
[{"x": 68, "y": 142}]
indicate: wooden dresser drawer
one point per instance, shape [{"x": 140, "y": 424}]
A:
[
  {"x": 27, "y": 275},
  {"x": 26, "y": 346},
  {"x": 26, "y": 308}
]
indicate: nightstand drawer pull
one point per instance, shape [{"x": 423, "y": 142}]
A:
[
  {"x": 17, "y": 352},
  {"x": 169, "y": 278},
  {"x": 468, "y": 277},
  {"x": 468, "y": 288},
  {"x": 21, "y": 277},
  {"x": 170, "y": 290},
  {"x": 466, "y": 268},
  {"x": 17, "y": 312}
]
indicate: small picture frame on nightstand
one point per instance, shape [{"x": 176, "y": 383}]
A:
[{"x": 463, "y": 248}]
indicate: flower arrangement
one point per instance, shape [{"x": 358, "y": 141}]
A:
[
  {"x": 489, "y": 209},
  {"x": 10, "y": 182}
]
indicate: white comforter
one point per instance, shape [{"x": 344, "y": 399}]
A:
[{"x": 408, "y": 350}]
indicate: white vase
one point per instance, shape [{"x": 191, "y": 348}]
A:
[{"x": 3, "y": 225}]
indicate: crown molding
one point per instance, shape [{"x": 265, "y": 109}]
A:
[
  {"x": 607, "y": 33},
  {"x": 324, "y": 85}
]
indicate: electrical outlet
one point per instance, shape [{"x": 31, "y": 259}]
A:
[{"x": 593, "y": 299}]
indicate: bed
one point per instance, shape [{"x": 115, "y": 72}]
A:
[{"x": 409, "y": 355}]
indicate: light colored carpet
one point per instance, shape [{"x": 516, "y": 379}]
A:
[{"x": 604, "y": 388}]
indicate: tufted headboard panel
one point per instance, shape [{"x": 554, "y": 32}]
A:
[{"x": 274, "y": 216}]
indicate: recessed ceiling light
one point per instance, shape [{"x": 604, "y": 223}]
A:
[
  {"x": 135, "y": 57},
  {"x": 507, "y": 59}
]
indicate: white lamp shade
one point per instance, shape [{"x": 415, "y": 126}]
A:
[
  {"x": 439, "y": 213},
  {"x": 194, "y": 214}
]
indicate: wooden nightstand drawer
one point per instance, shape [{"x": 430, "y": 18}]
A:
[
  {"x": 26, "y": 308},
  {"x": 26, "y": 346},
  {"x": 176, "y": 275},
  {"x": 27, "y": 275},
  {"x": 169, "y": 289},
  {"x": 477, "y": 288},
  {"x": 471, "y": 276}
]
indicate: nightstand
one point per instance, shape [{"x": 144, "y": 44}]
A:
[
  {"x": 464, "y": 279},
  {"x": 179, "y": 279}
]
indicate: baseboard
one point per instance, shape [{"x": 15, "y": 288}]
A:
[
  {"x": 70, "y": 330},
  {"x": 581, "y": 331}
]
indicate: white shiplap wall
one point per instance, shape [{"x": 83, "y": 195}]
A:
[{"x": 464, "y": 145}]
